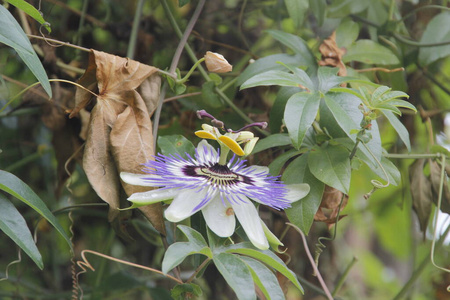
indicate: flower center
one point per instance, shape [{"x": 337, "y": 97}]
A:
[{"x": 217, "y": 174}]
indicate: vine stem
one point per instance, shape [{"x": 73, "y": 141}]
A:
[
  {"x": 199, "y": 268},
  {"x": 176, "y": 58},
  {"x": 135, "y": 29},
  {"x": 311, "y": 259},
  {"x": 84, "y": 264}
]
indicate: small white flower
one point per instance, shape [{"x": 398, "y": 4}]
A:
[{"x": 221, "y": 192}]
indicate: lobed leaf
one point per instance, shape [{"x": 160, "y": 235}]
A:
[
  {"x": 236, "y": 274},
  {"x": 264, "y": 279},
  {"x": 177, "y": 252},
  {"x": 267, "y": 257}
]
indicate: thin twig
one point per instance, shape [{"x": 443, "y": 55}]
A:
[
  {"x": 58, "y": 42},
  {"x": 311, "y": 259},
  {"x": 182, "y": 96}
]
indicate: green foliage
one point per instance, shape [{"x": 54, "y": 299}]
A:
[
  {"x": 11, "y": 34},
  {"x": 31, "y": 11},
  {"x": 13, "y": 225},
  {"x": 241, "y": 265},
  {"x": 17, "y": 188}
]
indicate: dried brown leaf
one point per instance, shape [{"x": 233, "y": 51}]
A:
[
  {"x": 435, "y": 177},
  {"x": 332, "y": 54},
  {"x": 330, "y": 201},
  {"x": 119, "y": 136},
  {"x": 421, "y": 193}
]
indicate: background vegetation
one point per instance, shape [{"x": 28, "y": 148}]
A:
[{"x": 379, "y": 249}]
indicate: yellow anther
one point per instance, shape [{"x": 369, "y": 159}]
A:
[
  {"x": 232, "y": 144},
  {"x": 205, "y": 135}
]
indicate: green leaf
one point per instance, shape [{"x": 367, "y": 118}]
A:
[
  {"x": 297, "y": 10},
  {"x": 269, "y": 63},
  {"x": 274, "y": 140},
  {"x": 277, "y": 111},
  {"x": 209, "y": 95},
  {"x": 264, "y": 279},
  {"x": 331, "y": 165},
  {"x": 399, "y": 127},
  {"x": 338, "y": 121},
  {"x": 236, "y": 274},
  {"x": 185, "y": 291},
  {"x": 319, "y": 9},
  {"x": 11, "y": 34},
  {"x": 297, "y": 45},
  {"x": 17, "y": 188},
  {"x": 347, "y": 33},
  {"x": 273, "y": 77},
  {"x": 178, "y": 251},
  {"x": 13, "y": 225},
  {"x": 327, "y": 78},
  {"x": 267, "y": 257},
  {"x": 300, "y": 113},
  {"x": 31, "y": 11},
  {"x": 278, "y": 163},
  {"x": 370, "y": 52},
  {"x": 302, "y": 212},
  {"x": 182, "y": 3},
  {"x": 438, "y": 30},
  {"x": 175, "y": 144}
]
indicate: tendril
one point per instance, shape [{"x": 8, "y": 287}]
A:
[
  {"x": 376, "y": 183},
  {"x": 18, "y": 260},
  {"x": 320, "y": 246}
]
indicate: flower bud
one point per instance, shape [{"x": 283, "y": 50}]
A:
[{"x": 216, "y": 63}]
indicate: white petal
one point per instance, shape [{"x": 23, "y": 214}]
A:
[
  {"x": 259, "y": 169},
  {"x": 137, "y": 179},
  {"x": 297, "y": 191},
  {"x": 183, "y": 205},
  {"x": 206, "y": 152},
  {"x": 251, "y": 222},
  {"x": 153, "y": 196},
  {"x": 217, "y": 219}
]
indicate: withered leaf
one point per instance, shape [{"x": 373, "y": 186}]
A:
[
  {"x": 420, "y": 187},
  {"x": 332, "y": 54},
  {"x": 435, "y": 177},
  {"x": 119, "y": 136},
  {"x": 330, "y": 201}
]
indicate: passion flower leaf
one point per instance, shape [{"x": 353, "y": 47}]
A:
[
  {"x": 178, "y": 251},
  {"x": 300, "y": 113},
  {"x": 13, "y": 225},
  {"x": 267, "y": 257},
  {"x": 399, "y": 127},
  {"x": 17, "y": 188},
  {"x": 265, "y": 279},
  {"x": 175, "y": 144},
  {"x": 236, "y": 274},
  {"x": 11, "y": 34},
  {"x": 302, "y": 212},
  {"x": 331, "y": 165}
]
